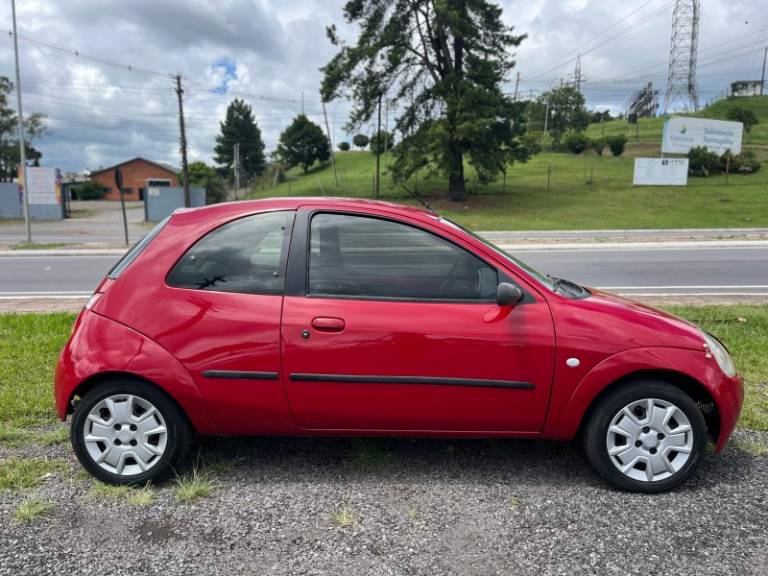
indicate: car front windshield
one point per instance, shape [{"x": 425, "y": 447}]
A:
[{"x": 531, "y": 271}]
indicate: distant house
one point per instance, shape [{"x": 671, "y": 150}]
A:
[
  {"x": 138, "y": 173},
  {"x": 746, "y": 88}
]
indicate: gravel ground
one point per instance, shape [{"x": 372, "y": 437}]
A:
[{"x": 415, "y": 507}]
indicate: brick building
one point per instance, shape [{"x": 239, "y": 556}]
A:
[{"x": 137, "y": 174}]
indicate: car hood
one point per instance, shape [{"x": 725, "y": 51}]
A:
[{"x": 627, "y": 324}]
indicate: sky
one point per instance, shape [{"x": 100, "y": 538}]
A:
[{"x": 269, "y": 52}]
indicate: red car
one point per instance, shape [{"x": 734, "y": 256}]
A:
[{"x": 310, "y": 316}]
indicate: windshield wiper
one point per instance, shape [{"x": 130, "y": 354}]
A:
[{"x": 567, "y": 287}]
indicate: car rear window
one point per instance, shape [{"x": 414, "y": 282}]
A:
[{"x": 134, "y": 252}]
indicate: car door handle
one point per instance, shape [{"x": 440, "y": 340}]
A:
[{"x": 327, "y": 324}]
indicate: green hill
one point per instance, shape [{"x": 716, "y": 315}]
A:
[
  {"x": 565, "y": 191},
  {"x": 649, "y": 129},
  {"x": 526, "y": 202}
]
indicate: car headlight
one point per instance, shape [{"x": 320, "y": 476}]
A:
[{"x": 721, "y": 355}]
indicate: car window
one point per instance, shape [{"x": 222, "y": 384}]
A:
[
  {"x": 241, "y": 256},
  {"x": 371, "y": 257},
  {"x": 135, "y": 250}
]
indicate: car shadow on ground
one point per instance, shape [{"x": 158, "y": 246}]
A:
[{"x": 420, "y": 460}]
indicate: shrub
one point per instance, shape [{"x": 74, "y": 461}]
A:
[
  {"x": 744, "y": 115},
  {"x": 215, "y": 191},
  {"x": 598, "y": 145},
  {"x": 532, "y": 142},
  {"x": 749, "y": 162},
  {"x": 744, "y": 163},
  {"x": 702, "y": 162},
  {"x": 575, "y": 141},
  {"x": 616, "y": 144},
  {"x": 344, "y": 146},
  {"x": 89, "y": 191}
]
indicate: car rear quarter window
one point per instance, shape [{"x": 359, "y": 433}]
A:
[
  {"x": 371, "y": 257},
  {"x": 137, "y": 249},
  {"x": 244, "y": 256}
]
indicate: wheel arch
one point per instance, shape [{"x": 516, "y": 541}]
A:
[
  {"x": 684, "y": 382},
  {"x": 98, "y": 379}
]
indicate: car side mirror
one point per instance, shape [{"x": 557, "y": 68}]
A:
[{"x": 508, "y": 294}]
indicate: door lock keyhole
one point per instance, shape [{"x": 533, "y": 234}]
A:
[{"x": 305, "y": 333}]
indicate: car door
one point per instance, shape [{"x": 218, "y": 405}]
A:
[
  {"x": 387, "y": 326},
  {"x": 218, "y": 312}
]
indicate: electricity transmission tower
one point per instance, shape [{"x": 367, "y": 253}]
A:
[
  {"x": 681, "y": 79},
  {"x": 577, "y": 77}
]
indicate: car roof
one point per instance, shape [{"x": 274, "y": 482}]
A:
[{"x": 244, "y": 207}]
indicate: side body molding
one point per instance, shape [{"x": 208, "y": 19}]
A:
[{"x": 102, "y": 346}]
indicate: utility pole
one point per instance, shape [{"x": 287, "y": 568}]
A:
[
  {"x": 517, "y": 84},
  {"x": 386, "y": 132},
  {"x": 236, "y": 166},
  {"x": 378, "y": 151},
  {"x": 330, "y": 142},
  {"x": 22, "y": 149},
  {"x": 183, "y": 143},
  {"x": 762, "y": 78},
  {"x": 302, "y": 101}
]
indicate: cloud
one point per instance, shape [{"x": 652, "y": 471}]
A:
[{"x": 269, "y": 52}]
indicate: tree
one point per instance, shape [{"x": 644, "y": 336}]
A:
[
  {"x": 303, "y": 143},
  {"x": 34, "y": 127},
  {"x": 744, "y": 115},
  {"x": 200, "y": 174},
  {"x": 89, "y": 190},
  {"x": 443, "y": 64},
  {"x": 566, "y": 112},
  {"x": 597, "y": 116},
  {"x": 381, "y": 141},
  {"x": 239, "y": 127},
  {"x": 344, "y": 146},
  {"x": 361, "y": 141}
]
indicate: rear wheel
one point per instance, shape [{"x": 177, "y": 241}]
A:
[
  {"x": 647, "y": 436},
  {"x": 128, "y": 432}
]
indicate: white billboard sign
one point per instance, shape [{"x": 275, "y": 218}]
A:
[
  {"x": 42, "y": 185},
  {"x": 682, "y": 133},
  {"x": 661, "y": 172}
]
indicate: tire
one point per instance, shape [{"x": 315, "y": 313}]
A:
[
  {"x": 646, "y": 454},
  {"x": 140, "y": 434}
]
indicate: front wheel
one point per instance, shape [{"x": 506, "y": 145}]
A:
[
  {"x": 128, "y": 432},
  {"x": 647, "y": 436}
]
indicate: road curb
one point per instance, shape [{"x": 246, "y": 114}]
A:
[
  {"x": 72, "y": 252},
  {"x": 511, "y": 246}
]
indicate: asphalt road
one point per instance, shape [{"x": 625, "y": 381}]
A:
[{"x": 639, "y": 271}]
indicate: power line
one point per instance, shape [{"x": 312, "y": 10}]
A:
[
  {"x": 581, "y": 47},
  {"x": 155, "y": 73}
]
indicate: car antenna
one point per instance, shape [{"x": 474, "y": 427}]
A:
[{"x": 420, "y": 199}]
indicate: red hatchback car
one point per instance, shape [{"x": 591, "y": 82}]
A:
[{"x": 308, "y": 316}]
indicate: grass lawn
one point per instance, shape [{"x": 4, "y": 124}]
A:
[
  {"x": 30, "y": 343},
  {"x": 524, "y": 203}
]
